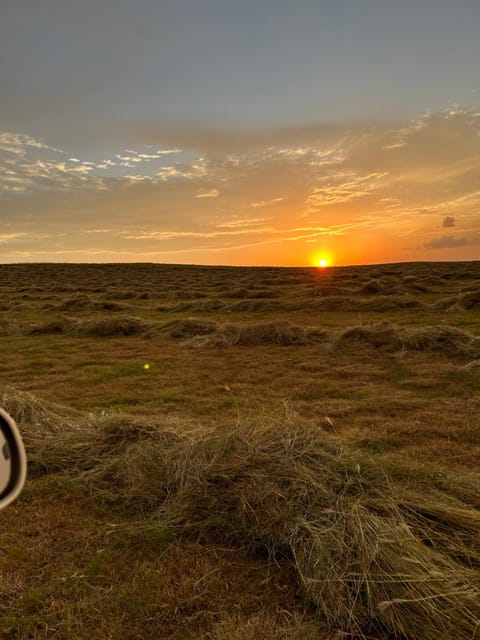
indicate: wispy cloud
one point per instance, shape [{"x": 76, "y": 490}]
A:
[
  {"x": 243, "y": 222},
  {"x": 19, "y": 144},
  {"x": 267, "y": 203},
  {"x": 7, "y": 237},
  {"x": 345, "y": 188},
  {"x": 208, "y": 193}
]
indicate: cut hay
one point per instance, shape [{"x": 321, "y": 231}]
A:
[
  {"x": 252, "y": 293},
  {"x": 389, "y": 303},
  {"x": 378, "y": 303},
  {"x": 57, "y": 326},
  {"x": 383, "y": 336},
  {"x": 110, "y": 327},
  {"x": 266, "y": 333},
  {"x": 473, "y": 364},
  {"x": 439, "y": 338},
  {"x": 86, "y": 303},
  {"x": 470, "y": 300},
  {"x": 10, "y": 328},
  {"x": 184, "y": 328},
  {"x": 75, "y": 303},
  {"x": 254, "y": 305},
  {"x": 371, "y": 287},
  {"x": 280, "y": 333},
  {"x": 375, "y": 556},
  {"x": 445, "y": 304},
  {"x": 463, "y": 302}
]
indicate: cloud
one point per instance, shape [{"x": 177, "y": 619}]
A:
[
  {"x": 30, "y": 164},
  {"x": 367, "y": 190},
  {"x": 208, "y": 193},
  {"x": 135, "y": 157},
  {"x": 7, "y": 237},
  {"x": 266, "y": 203},
  {"x": 243, "y": 222},
  {"x": 346, "y": 187},
  {"x": 448, "y": 221},
  {"x": 19, "y": 144},
  {"x": 182, "y": 170},
  {"x": 27, "y": 164},
  {"x": 449, "y": 242}
]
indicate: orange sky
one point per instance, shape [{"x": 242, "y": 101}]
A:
[{"x": 366, "y": 195}]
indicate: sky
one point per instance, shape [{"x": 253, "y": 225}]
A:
[{"x": 261, "y": 132}]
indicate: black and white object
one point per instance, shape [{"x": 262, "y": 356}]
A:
[{"x": 13, "y": 460}]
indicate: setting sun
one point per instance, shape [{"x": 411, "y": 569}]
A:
[{"x": 321, "y": 259}]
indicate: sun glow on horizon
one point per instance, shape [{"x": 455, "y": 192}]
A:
[{"x": 321, "y": 260}]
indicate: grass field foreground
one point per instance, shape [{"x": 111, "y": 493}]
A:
[{"x": 298, "y": 459}]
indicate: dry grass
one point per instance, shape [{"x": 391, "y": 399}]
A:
[
  {"x": 204, "y": 333},
  {"x": 177, "y": 519},
  {"x": 379, "y": 336},
  {"x": 373, "y": 555},
  {"x": 184, "y": 328},
  {"x": 462, "y": 302},
  {"x": 109, "y": 327},
  {"x": 441, "y": 338},
  {"x": 386, "y": 336},
  {"x": 278, "y": 333}
]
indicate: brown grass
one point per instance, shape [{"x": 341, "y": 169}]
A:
[
  {"x": 184, "y": 328},
  {"x": 379, "y": 336},
  {"x": 110, "y": 327},
  {"x": 204, "y": 512},
  {"x": 373, "y": 554},
  {"x": 266, "y": 333},
  {"x": 440, "y": 338},
  {"x": 388, "y": 337},
  {"x": 372, "y": 286}
]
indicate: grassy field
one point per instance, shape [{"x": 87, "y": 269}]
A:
[{"x": 232, "y": 453}]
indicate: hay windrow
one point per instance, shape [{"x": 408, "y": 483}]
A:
[
  {"x": 110, "y": 327},
  {"x": 184, "y": 328},
  {"x": 372, "y": 551},
  {"x": 385, "y": 336},
  {"x": 86, "y": 303},
  {"x": 439, "y": 338},
  {"x": 57, "y": 326},
  {"x": 462, "y": 302},
  {"x": 264, "y": 333},
  {"x": 371, "y": 287},
  {"x": 204, "y": 333}
]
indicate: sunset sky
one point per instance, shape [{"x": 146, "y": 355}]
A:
[{"x": 261, "y": 132}]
